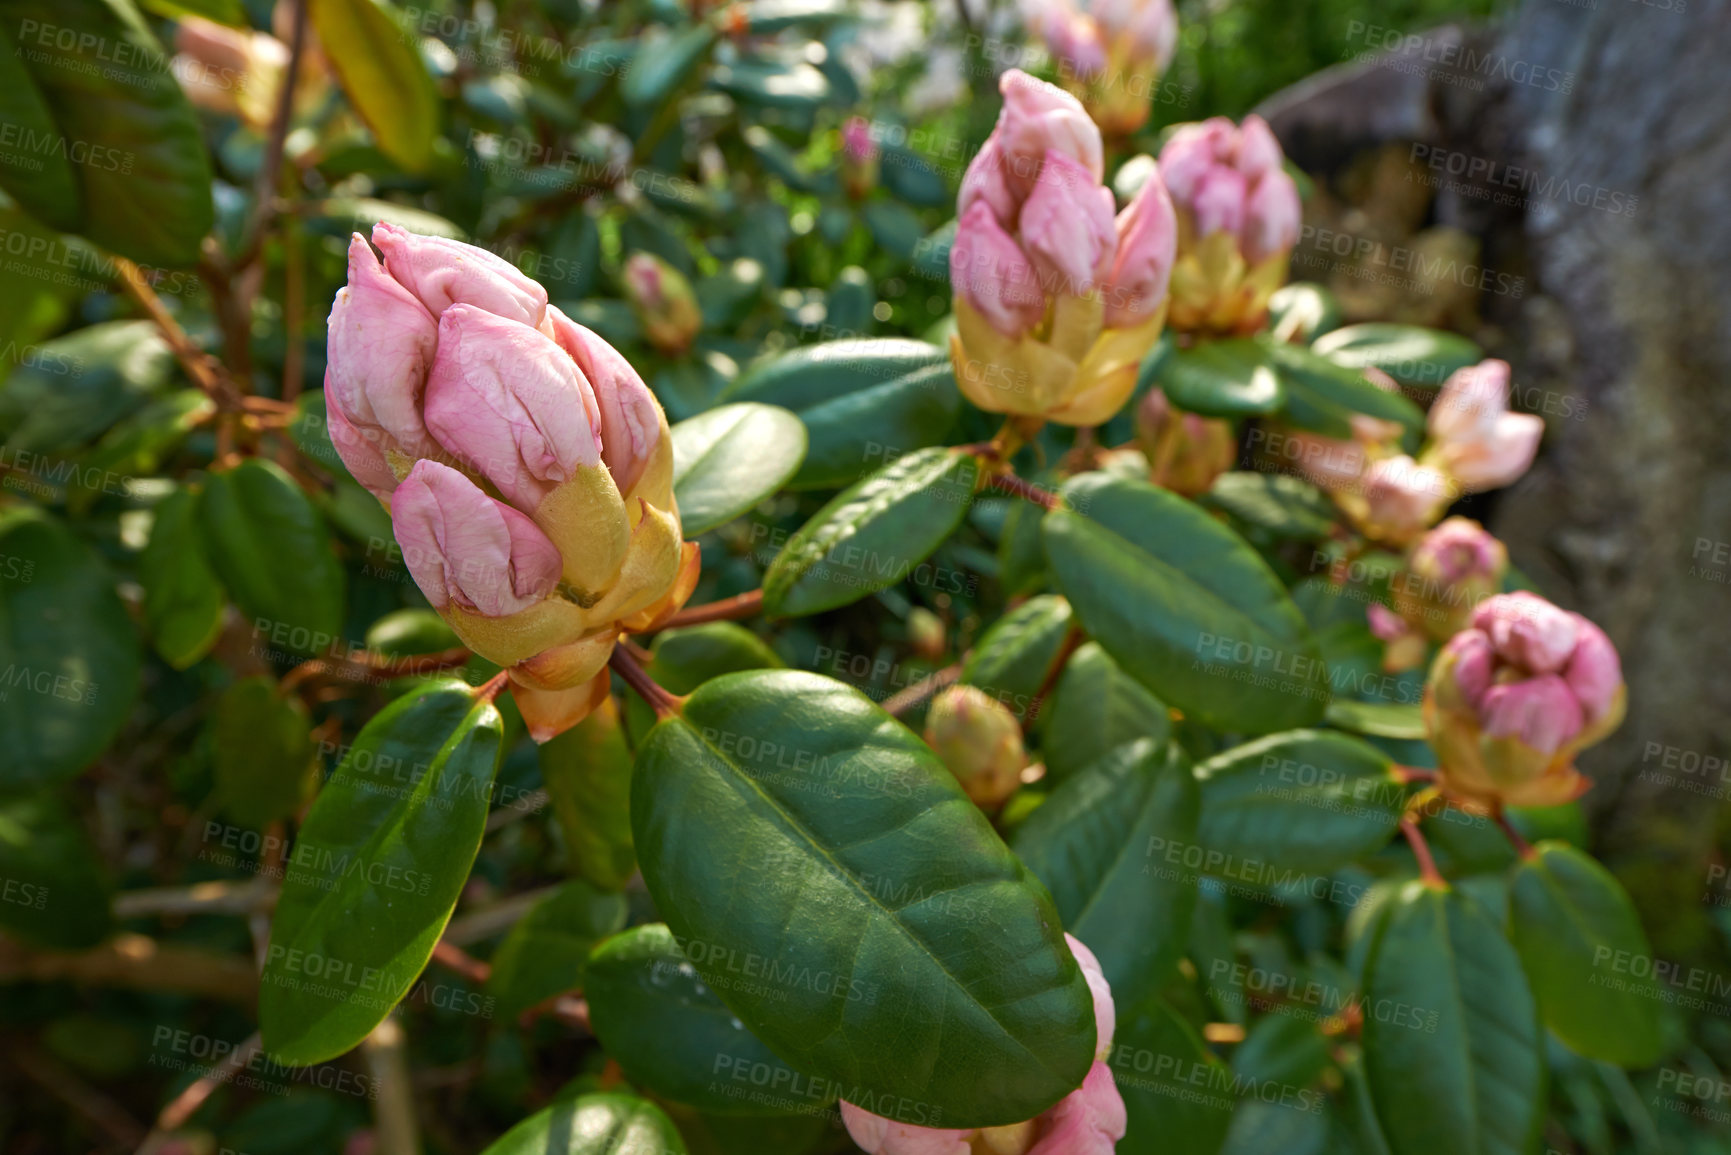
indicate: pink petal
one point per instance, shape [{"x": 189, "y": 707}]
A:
[
  {"x": 1497, "y": 456},
  {"x": 1088, "y": 1121},
  {"x": 1528, "y": 631},
  {"x": 361, "y": 451},
  {"x": 1147, "y": 248},
  {"x": 1542, "y": 712},
  {"x": 1104, "y": 1015},
  {"x": 1272, "y": 217},
  {"x": 1194, "y": 151},
  {"x": 990, "y": 271},
  {"x": 878, "y": 1136},
  {"x": 1594, "y": 672},
  {"x": 1258, "y": 152},
  {"x": 466, "y": 549},
  {"x": 442, "y": 272},
  {"x": 1470, "y": 401},
  {"x": 622, "y": 407},
  {"x": 1219, "y": 203},
  {"x": 381, "y": 345},
  {"x": 1067, "y": 228},
  {"x": 1037, "y": 119},
  {"x": 1474, "y": 663}
]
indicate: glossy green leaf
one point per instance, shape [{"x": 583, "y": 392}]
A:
[
  {"x": 1324, "y": 396},
  {"x": 787, "y": 824},
  {"x": 547, "y": 951},
  {"x": 75, "y": 388},
  {"x": 875, "y": 533},
  {"x": 1013, "y": 657},
  {"x": 727, "y": 460},
  {"x": 376, "y": 871},
  {"x": 683, "y": 659},
  {"x": 587, "y": 775},
  {"x": 269, "y": 546},
  {"x": 598, "y": 1124},
  {"x": 183, "y": 598},
  {"x": 1184, "y": 605},
  {"x": 813, "y": 374},
  {"x": 69, "y": 656},
  {"x": 1285, "y": 1050},
  {"x": 1571, "y": 922},
  {"x": 1096, "y": 708},
  {"x": 1231, "y": 378},
  {"x": 854, "y": 433},
  {"x": 408, "y": 632},
  {"x": 1090, "y": 844},
  {"x": 41, "y": 178},
  {"x": 1287, "y": 507},
  {"x": 1302, "y": 311},
  {"x": 671, "y": 1035},
  {"x": 262, "y": 752},
  {"x": 663, "y": 63},
  {"x": 795, "y": 86},
  {"x": 1410, "y": 354},
  {"x": 1178, "y": 1096},
  {"x": 1474, "y": 1085},
  {"x": 144, "y": 190},
  {"x": 376, "y": 55},
  {"x": 52, "y": 889},
  {"x": 1378, "y": 719},
  {"x": 1309, "y": 800}
]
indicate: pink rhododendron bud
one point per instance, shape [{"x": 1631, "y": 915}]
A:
[
  {"x": 1073, "y": 37},
  {"x": 1056, "y": 300},
  {"x": 1512, "y": 699},
  {"x": 441, "y": 272},
  {"x": 1110, "y": 54},
  {"x": 980, "y": 740},
  {"x": 466, "y": 549},
  {"x": 859, "y": 157},
  {"x": 1450, "y": 571},
  {"x": 1475, "y": 437},
  {"x": 1402, "y": 498},
  {"x": 1186, "y": 452},
  {"x": 1403, "y": 646},
  {"x": 360, "y": 453},
  {"x": 381, "y": 345},
  {"x": 664, "y": 302},
  {"x": 1088, "y": 1121},
  {"x": 1238, "y": 219},
  {"x": 631, "y": 421}
]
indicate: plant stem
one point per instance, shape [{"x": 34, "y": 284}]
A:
[
  {"x": 634, "y": 675},
  {"x": 1072, "y": 642},
  {"x": 270, "y": 169},
  {"x": 727, "y": 610},
  {"x": 185, "y": 1105},
  {"x": 1521, "y": 845},
  {"x": 1026, "y": 490},
  {"x": 904, "y": 700},
  {"x": 201, "y": 368},
  {"x": 1421, "y": 850}
]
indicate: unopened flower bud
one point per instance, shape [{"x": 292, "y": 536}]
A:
[
  {"x": 1450, "y": 571},
  {"x": 1186, "y": 452},
  {"x": 1512, "y": 699},
  {"x": 1404, "y": 647},
  {"x": 240, "y": 73},
  {"x": 664, "y": 302},
  {"x": 1474, "y": 436},
  {"x": 859, "y": 158},
  {"x": 1401, "y": 498},
  {"x": 1111, "y": 53},
  {"x": 980, "y": 740},
  {"x": 926, "y": 634}
]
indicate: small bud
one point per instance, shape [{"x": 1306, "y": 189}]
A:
[
  {"x": 664, "y": 303},
  {"x": 1450, "y": 571},
  {"x": 926, "y": 634},
  {"x": 979, "y": 739},
  {"x": 1402, "y": 498},
  {"x": 859, "y": 158},
  {"x": 1110, "y": 53},
  {"x": 1186, "y": 452}
]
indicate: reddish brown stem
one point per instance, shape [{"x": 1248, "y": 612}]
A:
[
  {"x": 1421, "y": 850},
  {"x": 1521, "y": 845},
  {"x": 627, "y": 666},
  {"x": 455, "y": 958},
  {"x": 727, "y": 610},
  {"x": 902, "y": 701},
  {"x": 1072, "y": 642},
  {"x": 1026, "y": 490},
  {"x": 493, "y": 686}
]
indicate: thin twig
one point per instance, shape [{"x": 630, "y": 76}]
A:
[
  {"x": 185, "y": 1105},
  {"x": 270, "y": 168},
  {"x": 454, "y": 958},
  {"x": 1521, "y": 845},
  {"x": 1421, "y": 850},
  {"x": 1072, "y": 642},
  {"x": 240, "y": 898},
  {"x": 906, "y": 699},
  {"x": 1026, "y": 490},
  {"x": 201, "y": 368},
  {"x": 338, "y": 664},
  {"x": 135, "y": 962},
  {"x": 727, "y": 610},
  {"x": 631, "y": 670}
]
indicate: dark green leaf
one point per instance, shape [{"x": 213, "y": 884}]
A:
[
  {"x": 41, "y": 176},
  {"x": 1463, "y": 1073},
  {"x": 1178, "y": 1096},
  {"x": 1090, "y": 845},
  {"x": 1378, "y": 719},
  {"x": 1573, "y": 925},
  {"x": 269, "y": 546},
  {"x": 262, "y": 751},
  {"x": 662, "y": 64},
  {"x": 670, "y": 1033},
  {"x": 376, "y": 55},
  {"x": 376, "y": 871},
  {"x": 913, "y": 178},
  {"x": 75, "y": 387},
  {"x": 1097, "y": 707},
  {"x": 875, "y": 533},
  {"x": 852, "y": 433},
  {"x": 1284, "y": 506},
  {"x": 1309, "y": 800},
  {"x": 69, "y": 657},
  {"x": 1282, "y": 1050},
  {"x": 814, "y": 374},
  {"x": 52, "y": 891},
  {"x": 727, "y": 460},
  {"x": 1230, "y": 378},
  {"x": 788, "y": 825},
  {"x": 685, "y": 658},
  {"x": 406, "y": 633},
  {"x": 1410, "y": 354},
  {"x": 183, "y": 600},
  {"x": 600, "y": 1124},
  {"x": 1184, "y": 605},
  {"x": 1015, "y": 655},
  {"x": 546, "y": 952},
  {"x": 1323, "y": 396},
  {"x": 795, "y": 86}
]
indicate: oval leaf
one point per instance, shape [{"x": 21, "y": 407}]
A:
[
  {"x": 1184, "y": 605},
  {"x": 813, "y": 374},
  {"x": 662, "y": 63},
  {"x": 1572, "y": 923},
  {"x": 377, "y": 58},
  {"x": 1164, "y": 1073},
  {"x": 603, "y": 1124},
  {"x": 262, "y": 752},
  {"x": 1096, "y": 708},
  {"x": 852, "y": 433},
  {"x": 727, "y": 460},
  {"x": 893, "y": 944},
  {"x": 1223, "y": 379},
  {"x": 1015, "y": 655},
  {"x": 1324, "y": 396},
  {"x": 1410, "y": 354},
  {"x": 873, "y": 534},
  {"x": 376, "y": 871},
  {"x": 52, "y": 890},
  {"x": 548, "y": 949}
]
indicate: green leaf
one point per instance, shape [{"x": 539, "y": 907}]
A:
[
  {"x": 1230, "y": 378},
  {"x": 269, "y": 546},
  {"x": 75, "y": 388},
  {"x": 1302, "y": 311},
  {"x": 1572, "y": 924},
  {"x": 587, "y": 774},
  {"x": 144, "y": 191},
  {"x": 851, "y": 433},
  {"x": 228, "y": 12},
  {"x": 69, "y": 656},
  {"x": 1410, "y": 354},
  {"x": 764, "y": 17},
  {"x": 813, "y": 374},
  {"x": 376, "y": 871},
  {"x": 262, "y": 752},
  {"x": 1184, "y": 605},
  {"x": 912, "y": 177},
  {"x": 1090, "y": 845},
  {"x": 40, "y": 177},
  {"x": 670, "y": 1033},
  {"x": 727, "y": 460},
  {"x": 787, "y": 824},
  {"x": 1096, "y": 708},
  {"x": 1309, "y": 800},
  {"x": 183, "y": 600},
  {"x": 796, "y": 86},
  {"x": 685, "y": 658},
  {"x": 376, "y": 55},
  {"x": 548, "y": 949},
  {"x": 1016, "y": 653},
  {"x": 137, "y": 447},
  {"x": 601, "y": 1124},
  {"x": 1283, "y": 1050},
  {"x": 874, "y": 534},
  {"x": 408, "y": 632},
  {"x": 1323, "y": 396},
  {"x": 663, "y": 62},
  {"x": 1178, "y": 1096},
  {"x": 1378, "y": 719},
  {"x": 52, "y": 889},
  {"x": 1287, "y": 507},
  {"x": 1474, "y": 1084}
]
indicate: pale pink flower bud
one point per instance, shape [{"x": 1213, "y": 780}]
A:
[
  {"x": 664, "y": 303},
  {"x": 1385, "y": 624},
  {"x": 990, "y": 271},
  {"x": 980, "y": 740},
  {"x": 1258, "y": 151},
  {"x": 1067, "y": 227},
  {"x": 380, "y": 346},
  {"x": 1403, "y": 496},
  {"x": 630, "y": 419},
  {"x": 1088, "y": 1121},
  {"x": 1542, "y": 712},
  {"x": 1594, "y": 672},
  {"x": 1471, "y": 398},
  {"x": 857, "y": 141},
  {"x": 1220, "y": 201},
  {"x": 1474, "y": 664},
  {"x": 1193, "y": 151},
  {"x": 509, "y": 402},
  {"x": 1152, "y": 29},
  {"x": 1142, "y": 266},
  {"x": 1038, "y": 119},
  {"x": 1272, "y": 217},
  {"x": 1073, "y": 38},
  {"x": 360, "y": 452},
  {"x": 1459, "y": 550},
  {"x": 467, "y": 550},
  {"x": 1478, "y": 440},
  {"x": 441, "y": 272},
  {"x": 1529, "y": 632}
]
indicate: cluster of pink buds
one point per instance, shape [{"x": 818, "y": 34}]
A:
[
  {"x": 527, "y": 468},
  {"x": 1088, "y": 1121},
  {"x": 1512, "y": 699},
  {"x": 1057, "y": 300},
  {"x": 1110, "y": 54},
  {"x": 1238, "y": 219}
]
